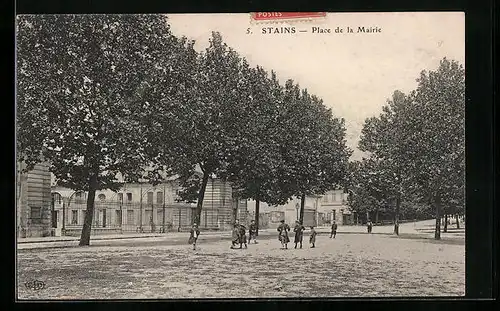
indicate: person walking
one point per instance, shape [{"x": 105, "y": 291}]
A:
[
  {"x": 252, "y": 232},
  {"x": 235, "y": 238},
  {"x": 194, "y": 233},
  {"x": 369, "y": 226},
  {"x": 283, "y": 229},
  {"x": 299, "y": 233},
  {"x": 334, "y": 230},
  {"x": 312, "y": 238},
  {"x": 242, "y": 235}
]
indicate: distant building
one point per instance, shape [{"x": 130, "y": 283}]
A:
[
  {"x": 318, "y": 210},
  {"x": 270, "y": 216},
  {"x": 333, "y": 205},
  {"x": 33, "y": 211}
]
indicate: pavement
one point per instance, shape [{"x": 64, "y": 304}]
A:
[{"x": 424, "y": 229}]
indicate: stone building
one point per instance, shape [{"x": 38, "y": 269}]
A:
[
  {"x": 33, "y": 211},
  {"x": 333, "y": 205},
  {"x": 141, "y": 207},
  {"x": 270, "y": 216},
  {"x": 318, "y": 211}
]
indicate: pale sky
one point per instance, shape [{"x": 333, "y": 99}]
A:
[{"x": 354, "y": 73}]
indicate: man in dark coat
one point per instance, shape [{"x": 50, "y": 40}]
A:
[
  {"x": 299, "y": 233},
  {"x": 194, "y": 233},
  {"x": 283, "y": 229},
  {"x": 252, "y": 232},
  {"x": 334, "y": 230},
  {"x": 242, "y": 235}
]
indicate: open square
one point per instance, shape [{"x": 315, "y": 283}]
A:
[{"x": 351, "y": 265}]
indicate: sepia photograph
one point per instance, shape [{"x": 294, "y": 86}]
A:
[{"x": 244, "y": 155}]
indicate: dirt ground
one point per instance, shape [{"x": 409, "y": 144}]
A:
[{"x": 351, "y": 265}]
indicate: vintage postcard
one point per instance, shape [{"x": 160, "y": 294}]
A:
[{"x": 256, "y": 155}]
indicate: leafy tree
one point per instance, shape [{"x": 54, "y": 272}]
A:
[
  {"x": 255, "y": 158},
  {"x": 83, "y": 88},
  {"x": 370, "y": 190},
  {"x": 385, "y": 138},
  {"x": 312, "y": 145},
  {"x": 436, "y": 150},
  {"x": 208, "y": 119}
]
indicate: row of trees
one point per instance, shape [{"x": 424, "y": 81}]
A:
[
  {"x": 109, "y": 96},
  {"x": 416, "y": 150}
]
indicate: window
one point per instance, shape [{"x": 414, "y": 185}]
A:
[
  {"x": 36, "y": 215},
  {"x": 333, "y": 215},
  {"x": 150, "y": 197},
  {"x": 159, "y": 197},
  {"x": 334, "y": 197},
  {"x": 243, "y": 201},
  {"x": 78, "y": 195},
  {"x": 325, "y": 199},
  {"x": 101, "y": 197},
  {"x": 120, "y": 197},
  {"x": 130, "y": 217},
  {"x": 56, "y": 197},
  {"x": 74, "y": 217},
  {"x": 129, "y": 197}
]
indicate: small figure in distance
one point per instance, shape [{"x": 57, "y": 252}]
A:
[
  {"x": 252, "y": 232},
  {"x": 242, "y": 235},
  {"x": 236, "y": 234},
  {"x": 283, "y": 229},
  {"x": 299, "y": 233},
  {"x": 194, "y": 233},
  {"x": 312, "y": 239},
  {"x": 334, "y": 230}
]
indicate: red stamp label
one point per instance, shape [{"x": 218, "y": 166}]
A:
[{"x": 263, "y": 16}]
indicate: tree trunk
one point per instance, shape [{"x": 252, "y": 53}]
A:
[
  {"x": 302, "y": 206},
  {"x": 445, "y": 229},
  {"x": 235, "y": 209},
  {"x": 257, "y": 207},
  {"x": 437, "y": 231},
  {"x": 457, "y": 220},
  {"x": 201, "y": 196},
  {"x": 396, "y": 214},
  {"x": 376, "y": 216},
  {"x": 89, "y": 215}
]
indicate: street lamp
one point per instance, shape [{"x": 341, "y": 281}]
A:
[{"x": 297, "y": 209}]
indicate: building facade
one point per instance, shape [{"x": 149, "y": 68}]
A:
[
  {"x": 333, "y": 206},
  {"x": 141, "y": 207},
  {"x": 318, "y": 211},
  {"x": 33, "y": 211},
  {"x": 270, "y": 216}
]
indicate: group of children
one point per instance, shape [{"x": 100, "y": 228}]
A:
[
  {"x": 299, "y": 229},
  {"x": 238, "y": 237},
  {"x": 239, "y": 234}
]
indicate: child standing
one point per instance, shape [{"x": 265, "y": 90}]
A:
[
  {"x": 299, "y": 233},
  {"x": 195, "y": 232},
  {"x": 252, "y": 232},
  {"x": 334, "y": 230},
  {"x": 283, "y": 229},
  {"x": 312, "y": 239}
]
